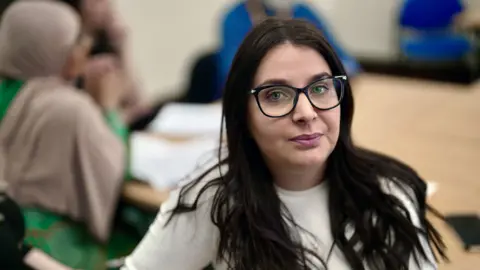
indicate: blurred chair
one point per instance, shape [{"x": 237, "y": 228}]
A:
[
  {"x": 427, "y": 32},
  {"x": 202, "y": 86},
  {"x": 467, "y": 227}
]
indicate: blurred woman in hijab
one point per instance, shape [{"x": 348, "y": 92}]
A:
[{"x": 61, "y": 150}]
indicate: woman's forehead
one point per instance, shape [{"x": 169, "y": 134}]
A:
[{"x": 295, "y": 65}]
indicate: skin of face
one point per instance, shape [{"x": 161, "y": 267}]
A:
[{"x": 296, "y": 66}]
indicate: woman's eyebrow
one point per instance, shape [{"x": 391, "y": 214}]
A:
[{"x": 315, "y": 77}]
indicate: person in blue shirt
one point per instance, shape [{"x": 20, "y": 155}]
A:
[{"x": 241, "y": 18}]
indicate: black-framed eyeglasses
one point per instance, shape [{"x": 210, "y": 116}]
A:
[{"x": 279, "y": 100}]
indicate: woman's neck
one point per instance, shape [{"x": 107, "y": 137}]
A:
[{"x": 298, "y": 179}]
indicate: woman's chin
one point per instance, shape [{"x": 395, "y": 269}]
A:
[{"x": 308, "y": 158}]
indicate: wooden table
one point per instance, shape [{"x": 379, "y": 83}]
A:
[
  {"x": 142, "y": 195},
  {"x": 434, "y": 127}
]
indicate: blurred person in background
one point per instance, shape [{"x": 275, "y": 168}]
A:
[
  {"x": 62, "y": 151},
  {"x": 111, "y": 41},
  {"x": 240, "y": 19}
]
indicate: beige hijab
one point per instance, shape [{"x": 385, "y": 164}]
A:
[{"x": 56, "y": 151}]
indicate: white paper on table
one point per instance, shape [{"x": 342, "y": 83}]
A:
[
  {"x": 183, "y": 119},
  {"x": 164, "y": 164}
]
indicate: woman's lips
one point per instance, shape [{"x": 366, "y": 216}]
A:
[{"x": 307, "y": 140}]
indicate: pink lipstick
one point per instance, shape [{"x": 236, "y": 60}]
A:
[{"x": 307, "y": 140}]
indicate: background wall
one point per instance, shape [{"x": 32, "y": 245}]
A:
[{"x": 167, "y": 35}]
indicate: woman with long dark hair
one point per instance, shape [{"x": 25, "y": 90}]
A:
[{"x": 294, "y": 191}]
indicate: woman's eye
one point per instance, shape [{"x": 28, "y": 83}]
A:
[
  {"x": 276, "y": 95},
  {"x": 318, "y": 89}
]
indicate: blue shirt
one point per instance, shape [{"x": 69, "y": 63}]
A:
[{"x": 237, "y": 24}]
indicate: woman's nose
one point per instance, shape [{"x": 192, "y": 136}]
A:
[{"x": 304, "y": 111}]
